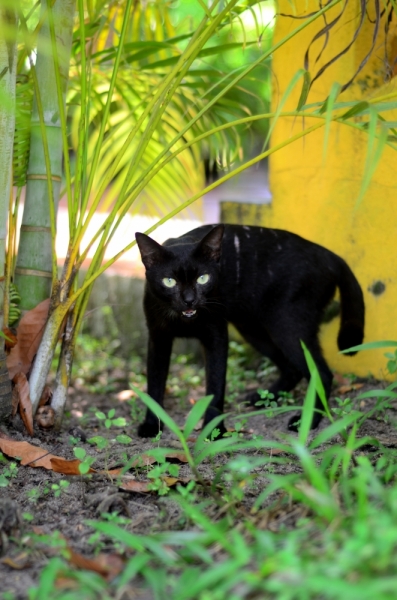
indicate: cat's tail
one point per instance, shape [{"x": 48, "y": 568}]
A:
[{"x": 351, "y": 332}]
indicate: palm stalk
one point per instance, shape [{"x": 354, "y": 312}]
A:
[
  {"x": 8, "y": 62},
  {"x": 36, "y": 268}
]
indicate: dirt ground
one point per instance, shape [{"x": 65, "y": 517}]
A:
[{"x": 88, "y": 497}]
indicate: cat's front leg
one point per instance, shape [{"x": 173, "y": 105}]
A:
[
  {"x": 215, "y": 342},
  {"x": 158, "y": 362}
]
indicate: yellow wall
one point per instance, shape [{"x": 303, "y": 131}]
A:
[{"x": 316, "y": 197}]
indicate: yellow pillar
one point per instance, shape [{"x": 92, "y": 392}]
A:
[{"x": 315, "y": 195}]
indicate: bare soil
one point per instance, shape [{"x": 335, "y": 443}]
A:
[{"x": 88, "y": 497}]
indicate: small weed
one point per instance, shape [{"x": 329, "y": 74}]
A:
[
  {"x": 9, "y": 471},
  {"x": 158, "y": 476},
  {"x": 59, "y": 488},
  {"x": 109, "y": 421},
  {"x": 392, "y": 362},
  {"x": 33, "y": 495},
  {"x": 136, "y": 410},
  {"x": 94, "y": 363},
  {"x": 344, "y": 407},
  {"x": 86, "y": 460}
]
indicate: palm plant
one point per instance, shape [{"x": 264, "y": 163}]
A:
[{"x": 8, "y": 62}]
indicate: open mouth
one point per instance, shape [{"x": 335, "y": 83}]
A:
[{"x": 189, "y": 313}]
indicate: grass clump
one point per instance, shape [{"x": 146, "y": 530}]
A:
[{"x": 287, "y": 517}]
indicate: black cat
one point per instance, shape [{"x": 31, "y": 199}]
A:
[{"x": 271, "y": 284}]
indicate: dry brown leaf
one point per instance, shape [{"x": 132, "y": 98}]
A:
[
  {"x": 25, "y": 406},
  {"x": 67, "y": 467},
  {"x": 30, "y": 455},
  {"x": 343, "y": 389},
  {"x": 45, "y": 396},
  {"x": 145, "y": 459},
  {"x": 29, "y": 333},
  {"x": 112, "y": 562},
  {"x": 45, "y": 417},
  {"x": 143, "y": 487},
  {"x": 66, "y": 583},
  {"x": 10, "y": 339},
  {"x": 101, "y": 565},
  {"x": 19, "y": 562},
  {"x": 341, "y": 379},
  {"x": 132, "y": 485},
  {"x": 14, "y": 402}
]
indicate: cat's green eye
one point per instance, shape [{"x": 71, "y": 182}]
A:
[
  {"x": 169, "y": 282},
  {"x": 203, "y": 279}
]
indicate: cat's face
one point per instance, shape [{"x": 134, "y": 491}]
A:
[{"x": 183, "y": 276}]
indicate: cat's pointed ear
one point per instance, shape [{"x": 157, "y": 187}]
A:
[
  {"x": 151, "y": 252},
  {"x": 211, "y": 244}
]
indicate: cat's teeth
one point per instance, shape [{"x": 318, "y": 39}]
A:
[{"x": 189, "y": 313}]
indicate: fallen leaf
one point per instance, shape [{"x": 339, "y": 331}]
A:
[
  {"x": 341, "y": 379},
  {"x": 103, "y": 565},
  {"x": 45, "y": 396},
  {"x": 14, "y": 402},
  {"x": 146, "y": 459},
  {"x": 66, "y": 583},
  {"x": 25, "y": 406},
  {"x": 29, "y": 333},
  {"x": 67, "y": 467},
  {"x": 132, "y": 485},
  {"x": 19, "y": 562},
  {"x": 29, "y": 454},
  {"x": 45, "y": 417},
  {"x": 10, "y": 339},
  {"x": 32, "y": 456},
  {"x": 343, "y": 389},
  {"x": 143, "y": 487},
  {"x": 38, "y": 530}
]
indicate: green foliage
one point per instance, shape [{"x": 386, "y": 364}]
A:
[
  {"x": 14, "y": 312},
  {"x": 59, "y": 488},
  {"x": 86, "y": 461},
  {"x": 8, "y": 471},
  {"x": 305, "y": 517},
  {"x": 392, "y": 362}
]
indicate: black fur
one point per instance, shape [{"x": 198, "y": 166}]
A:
[{"x": 271, "y": 284}]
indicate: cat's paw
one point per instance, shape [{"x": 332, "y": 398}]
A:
[
  {"x": 252, "y": 398},
  {"x": 220, "y": 427},
  {"x": 221, "y": 430},
  {"x": 294, "y": 422},
  {"x": 148, "y": 429}
]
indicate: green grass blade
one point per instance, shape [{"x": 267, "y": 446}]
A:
[
  {"x": 158, "y": 411},
  {"x": 290, "y": 87},
  {"x": 305, "y": 89},
  {"x": 307, "y": 411},
  {"x": 328, "y": 108},
  {"x": 332, "y": 430},
  {"x": 121, "y": 535},
  {"x": 377, "y": 394},
  {"x": 195, "y": 415},
  {"x": 315, "y": 388},
  {"x": 373, "y": 157},
  {"x": 357, "y": 109},
  {"x": 372, "y": 346}
]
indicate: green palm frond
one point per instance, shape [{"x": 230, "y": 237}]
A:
[
  {"x": 24, "y": 100},
  {"x": 145, "y": 63}
]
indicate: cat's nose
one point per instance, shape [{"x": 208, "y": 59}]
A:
[{"x": 188, "y": 297}]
